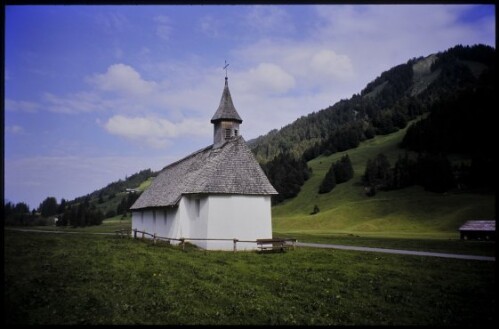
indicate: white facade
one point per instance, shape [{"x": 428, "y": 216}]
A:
[{"x": 214, "y": 216}]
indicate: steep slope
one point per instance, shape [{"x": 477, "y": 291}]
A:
[
  {"x": 383, "y": 106},
  {"x": 406, "y": 212}
]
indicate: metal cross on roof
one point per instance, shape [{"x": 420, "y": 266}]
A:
[{"x": 225, "y": 68}]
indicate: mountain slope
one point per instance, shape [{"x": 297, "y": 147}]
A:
[
  {"x": 384, "y": 105},
  {"x": 376, "y": 118},
  {"x": 407, "y": 212}
]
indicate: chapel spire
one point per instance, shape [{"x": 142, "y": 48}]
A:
[{"x": 226, "y": 120}]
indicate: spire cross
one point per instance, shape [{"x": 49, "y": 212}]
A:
[{"x": 225, "y": 68}]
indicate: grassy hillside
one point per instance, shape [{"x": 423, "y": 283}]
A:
[
  {"x": 91, "y": 279},
  {"x": 409, "y": 212}
]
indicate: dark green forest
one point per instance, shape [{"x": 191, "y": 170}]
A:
[
  {"x": 114, "y": 199},
  {"x": 455, "y": 99},
  {"x": 340, "y": 171}
]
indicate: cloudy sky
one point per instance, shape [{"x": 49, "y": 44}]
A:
[{"x": 95, "y": 93}]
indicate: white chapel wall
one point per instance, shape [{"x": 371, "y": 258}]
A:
[
  {"x": 194, "y": 217},
  {"x": 162, "y": 221},
  {"x": 244, "y": 217}
]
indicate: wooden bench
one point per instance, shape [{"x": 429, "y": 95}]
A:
[
  {"x": 124, "y": 233},
  {"x": 271, "y": 245}
]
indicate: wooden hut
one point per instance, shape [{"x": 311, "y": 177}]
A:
[{"x": 478, "y": 230}]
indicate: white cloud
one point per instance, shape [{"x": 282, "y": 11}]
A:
[
  {"x": 327, "y": 62},
  {"x": 311, "y": 64},
  {"x": 124, "y": 79},
  {"x": 163, "y": 28},
  {"x": 21, "y": 106},
  {"x": 210, "y": 26},
  {"x": 267, "y": 18},
  {"x": 186, "y": 96},
  {"x": 15, "y": 129},
  {"x": 155, "y": 132},
  {"x": 378, "y": 37},
  {"x": 118, "y": 53},
  {"x": 112, "y": 22},
  {"x": 267, "y": 78},
  {"x": 80, "y": 102}
]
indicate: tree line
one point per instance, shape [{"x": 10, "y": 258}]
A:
[
  {"x": 287, "y": 175},
  {"x": 433, "y": 171},
  {"x": 82, "y": 211},
  {"x": 386, "y": 105},
  {"x": 340, "y": 171}
]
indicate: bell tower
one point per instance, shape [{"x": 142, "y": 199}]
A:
[{"x": 226, "y": 119}]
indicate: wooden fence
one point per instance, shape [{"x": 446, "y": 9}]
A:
[{"x": 262, "y": 244}]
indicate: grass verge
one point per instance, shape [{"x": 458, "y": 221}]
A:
[{"x": 83, "y": 279}]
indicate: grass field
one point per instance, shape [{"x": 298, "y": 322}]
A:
[
  {"x": 95, "y": 279},
  {"x": 109, "y": 225},
  {"x": 91, "y": 279},
  {"x": 406, "y": 213}
]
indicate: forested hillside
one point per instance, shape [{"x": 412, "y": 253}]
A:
[
  {"x": 451, "y": 93},
  {"x": 383, "y": 106},
  {"x": 436, "y": 84},
  {"x": 113, "y": 200}
]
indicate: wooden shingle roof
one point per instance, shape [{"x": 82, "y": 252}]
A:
[
  {"x": 478, "y": 225},
  {"x": 226, "y": 109},
  {"x": 228, "y": 169}
]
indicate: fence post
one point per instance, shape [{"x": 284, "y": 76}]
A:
[
  {"x": 135, "y": 233},
  {"x": 182, "y": 242},
  {"x": 235, "y": 242},
  {"x": 142, "y": 235},
  {"x": 154, "y": 238}
]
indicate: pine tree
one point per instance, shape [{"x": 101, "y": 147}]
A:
[
  {"x": 48, "y": 207},
  {"x": 329, "y": 181},
  {"x": 378, "y": 172},
  {"x": 343, "y": 170},
  {"x": 62, "y": 206}
]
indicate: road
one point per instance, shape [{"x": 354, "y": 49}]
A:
[
  {"x": 322, "y": 245},
  {"x": 57, "y": 232},
  {"x": 395, "y": 251}
]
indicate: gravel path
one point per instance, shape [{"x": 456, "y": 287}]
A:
[
  {"x": 57, "y": 232},
  {"x": 396, "y": 251},
  {"x": 321, "y": 245}
]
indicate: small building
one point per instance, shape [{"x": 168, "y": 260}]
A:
[
  {"x": 478, "y": 230},
  {"x": 218, "y": 192}
]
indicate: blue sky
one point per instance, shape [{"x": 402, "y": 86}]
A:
[{"x": 95, "y": 93}]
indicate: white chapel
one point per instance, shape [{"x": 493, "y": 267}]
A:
[{"x": 218, "y": 192}]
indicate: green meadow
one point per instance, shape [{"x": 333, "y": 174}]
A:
[
  {"x": 94, "y": 279},
  {"x": 103, "y": 279},
  {"x": 406, "y": 213}
]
